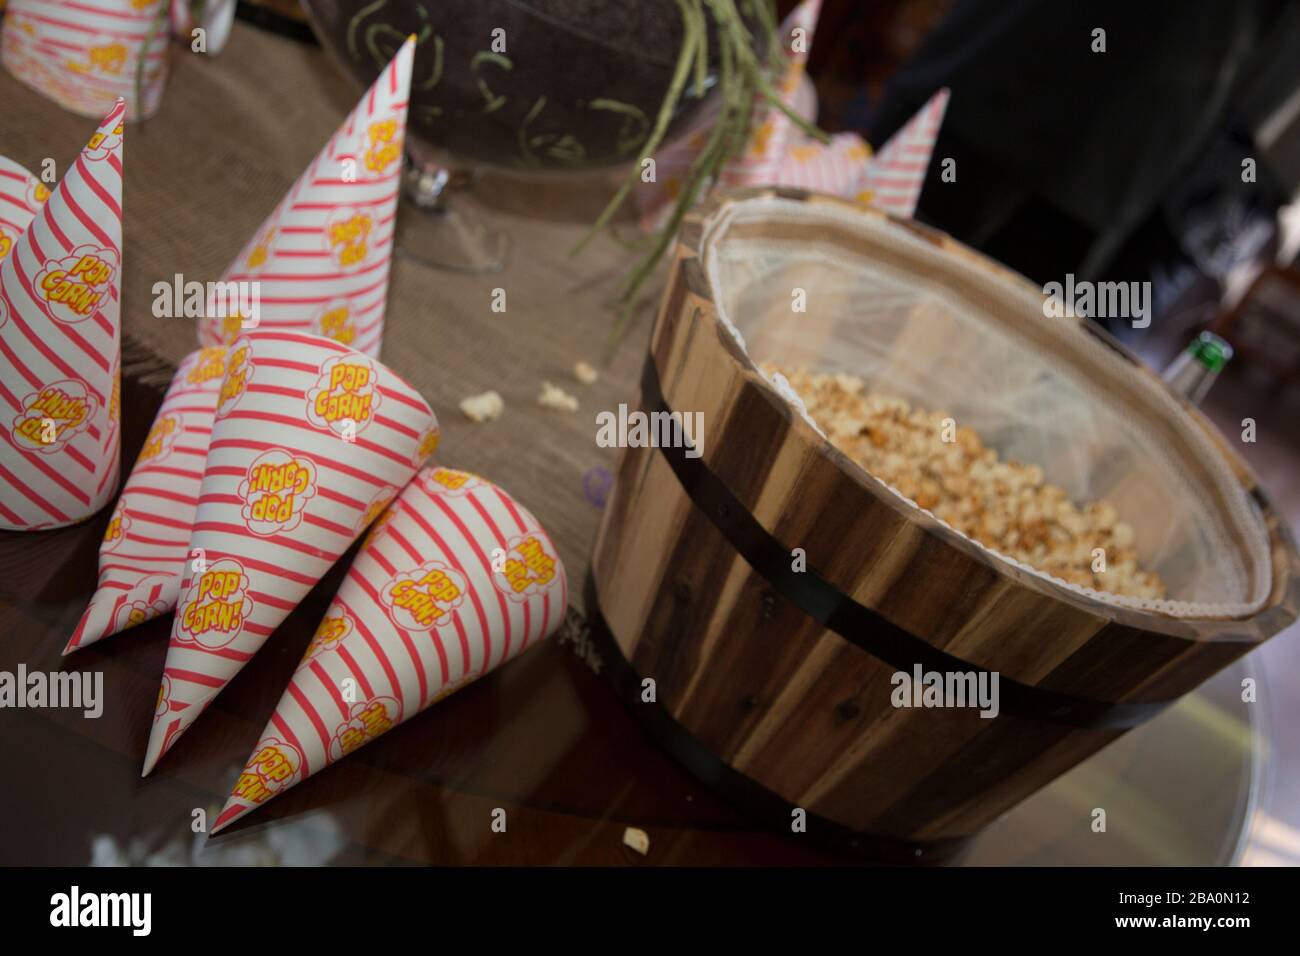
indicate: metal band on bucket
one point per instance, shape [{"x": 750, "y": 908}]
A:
[
  {"x": 860, "y": 625},
  {"x": 734, "y": 786}
]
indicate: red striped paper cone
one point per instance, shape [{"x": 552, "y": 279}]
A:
[
  {"x": 894, "y": 179},
  {"x": 835, "y": 167},
  {"x": 781, "y": 155},
  {"x": 60, "y": 344},
  {"x": 455, "y": 579},
  {"x": 310, "y": 442},
  {"x": 763, "y": 155},
  {"x": 21, "y": 198},
  {"x": 87, "y": 54},
  {"x": 143, "y": 552},
  {"x": 320, "y": 263},
  {"x": 773, "y": 130}
]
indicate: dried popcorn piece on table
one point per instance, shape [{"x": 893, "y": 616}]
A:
[
  {"x": 637, "y": 839},
  {"x": 1005, "y": 505},
  {"x": 483, "y": 407},
  {"x": 552, "y": 396}
]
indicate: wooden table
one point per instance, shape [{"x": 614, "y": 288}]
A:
[{"x": 544, "y": 738}]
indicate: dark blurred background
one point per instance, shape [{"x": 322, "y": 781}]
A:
[{"x": 1125, "y": 164}]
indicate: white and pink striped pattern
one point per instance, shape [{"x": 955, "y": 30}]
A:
[
  {"x": 310, "y": 442},
  {"x": 894, "y": 179},
  {"x": 87, "y": 54},
  {"x": 455, "y": 579},
  {"x": 772, "y": 130},
  {"x": 21, "y": 198},
  {"x": 60, "y": 344},
  {"x": 835, "y": 167},
  {"x": 322, "y": 258},
  {"x": 143, "y": 552}
]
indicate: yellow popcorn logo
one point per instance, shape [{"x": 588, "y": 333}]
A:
[
  {"x": 109, "y": 58},
  {"x": 261, "y": 250},
  {"x": 217, "y": 605},
  {"x": 366, "y": 722},
  {"x": 54, "y": 416},
  {"x": 384, "y": 145},
  {"x": 76, "y": 286},
  {"x": 269, "y": 771},
  {"x": 424, "y": 597},
  {"x": 276, "y": 491},
  {"x": 348, "y": 237},
  {"x": 345, "y": 398},
  {"x": 529, "y": 567},
  {"x": 336, "y": 323},
  {"x": 211, "y": 364}
]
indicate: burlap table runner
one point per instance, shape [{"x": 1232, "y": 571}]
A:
[{"x": 235, "y": 131}]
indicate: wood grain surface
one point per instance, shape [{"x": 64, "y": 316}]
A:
[{"x": 803, "y": 711}]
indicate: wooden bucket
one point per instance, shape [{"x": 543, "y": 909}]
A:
[{"x": 775, "y": 683}]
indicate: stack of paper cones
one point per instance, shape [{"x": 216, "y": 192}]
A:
[
  {"x": 320, "y": 262},
  {"x": 146, "y": 544},
  {"x": 311, "y": 440},
  {"x": 455, "y": 579},
  {"x": 60, "y": 346}
]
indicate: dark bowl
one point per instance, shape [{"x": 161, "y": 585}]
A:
[{"x": 578, "y": 87}]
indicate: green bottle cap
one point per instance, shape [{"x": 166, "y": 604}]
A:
[{"x": 1211, "y": 351}]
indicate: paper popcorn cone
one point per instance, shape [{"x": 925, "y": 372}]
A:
[
  {"x": 319, "y": 264},
  {"x": 894, "y": 179},
  {"x": 836, "y": 167},
  {"x": 60, "y": 340},
  {"x": 310, "y": 442},
  {"x": 86, "y": 56},
  {"x": 21, "y": 198},
  {"x": 455, "y": 578},
  {"x": 772, "y": 129},
  {"x": 145, "y": 545},
  {"x": 780, "y": 154}
]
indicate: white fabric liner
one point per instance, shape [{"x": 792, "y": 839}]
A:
[{"x": 908, "y": 336}]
